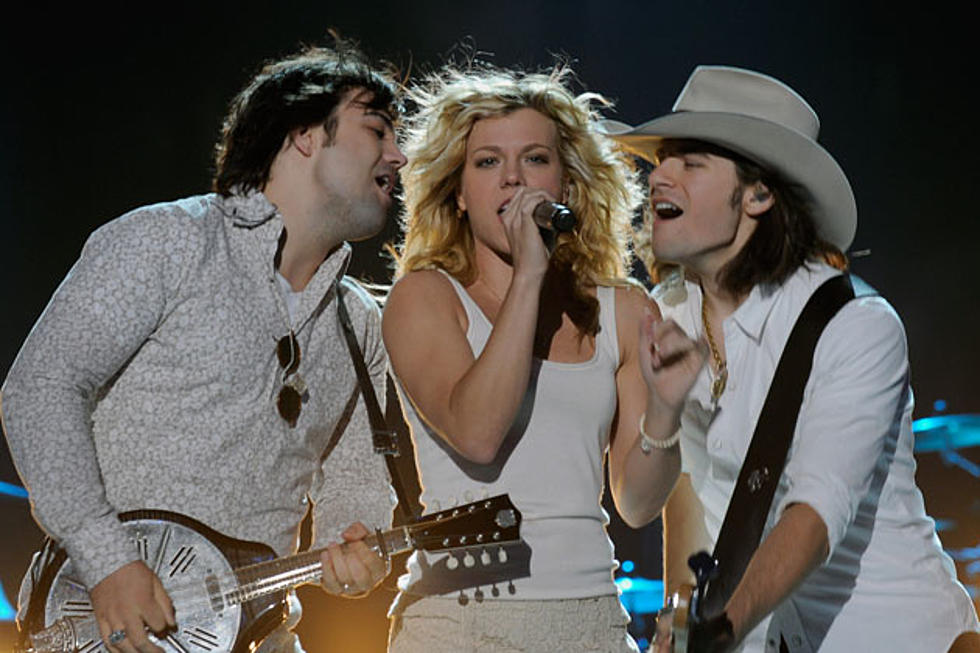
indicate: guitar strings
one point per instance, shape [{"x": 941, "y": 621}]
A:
[
  {"x": 236, "y": 587},
  {"x": 246, "y": 583}
]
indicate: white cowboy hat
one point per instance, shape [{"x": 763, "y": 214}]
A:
[{"x": 763, "y": 120}]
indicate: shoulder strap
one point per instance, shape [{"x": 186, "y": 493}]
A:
[
  {"x": 389, "y": 442},
  {"x": 757, "y": 481}
]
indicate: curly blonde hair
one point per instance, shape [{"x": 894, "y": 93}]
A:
[{"x": 602, "y": 188}]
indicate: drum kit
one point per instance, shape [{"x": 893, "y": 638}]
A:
[
  {"x": 947, "y": 449},
  {"x": 947, "y": 433}
]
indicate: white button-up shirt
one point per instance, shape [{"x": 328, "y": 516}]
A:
[{"x": 886, "y": 585}]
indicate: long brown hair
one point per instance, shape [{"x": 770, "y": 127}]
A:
[{"x": 785, "y": 238}]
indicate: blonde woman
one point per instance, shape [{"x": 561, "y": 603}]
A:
[{"x": 521, "y": 369}]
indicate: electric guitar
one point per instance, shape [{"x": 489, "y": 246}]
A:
[
  {"x": 229, "y": 594},
  {"x": 672, "y": 622},
  {"x": 683, "y": 607}
]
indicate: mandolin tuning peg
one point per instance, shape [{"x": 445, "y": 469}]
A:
[
  {"x": 485, "y": 558},
  {"x": 510, "y": 588},
  {"x": 452, "y": 562},
  {"x": 478, "y": 595},
  {"x": 462, "y": 599},
  {"x": 502, "y": 555},
  {"x": 495, "y": 591},
  {"x": 468, "y": 560}
]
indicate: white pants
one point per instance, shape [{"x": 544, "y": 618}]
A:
[{"x": 439, "y": 624}]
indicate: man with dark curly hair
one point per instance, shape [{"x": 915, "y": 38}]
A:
[{"x": 192, "y": 360}]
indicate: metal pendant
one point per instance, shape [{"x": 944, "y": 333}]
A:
[{"x": 718, "y": 384}]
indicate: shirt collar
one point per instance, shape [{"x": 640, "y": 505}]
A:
[
  {"x": 334, "y": 266},
  {"x": 751, "y": 316},
  {"x": 248, "y": 210},
  {"x": 254, "y": 214},
  {"x": 253, "y": 209}
]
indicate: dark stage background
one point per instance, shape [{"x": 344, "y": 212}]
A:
[{"x": 107, "y": 108}]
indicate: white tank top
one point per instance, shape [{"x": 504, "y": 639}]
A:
[{"x": 551, "y": 466}]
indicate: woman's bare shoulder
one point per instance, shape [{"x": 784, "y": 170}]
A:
[{"x": 424, "y": 294}]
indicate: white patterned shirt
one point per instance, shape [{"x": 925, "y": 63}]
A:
[{"x": 150, "y": 382}]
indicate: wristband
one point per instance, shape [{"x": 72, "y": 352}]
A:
[{"x": 648, "y": 444}]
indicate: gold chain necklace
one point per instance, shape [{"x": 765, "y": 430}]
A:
[{"x": 721, "y": 376}]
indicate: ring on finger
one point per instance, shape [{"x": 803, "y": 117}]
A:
[{"x": 116, "y": 636}]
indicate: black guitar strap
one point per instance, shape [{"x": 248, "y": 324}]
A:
[
  {"x": 394, "y": 443},
  {"x": 759, "y": 477}
]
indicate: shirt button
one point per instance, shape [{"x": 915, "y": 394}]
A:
[
  {"x": 468, "y": 496},
  {"x": 716, "y": 444},
  {"x": 797, "y": 640},
  {"x": 771, "y": 644}
]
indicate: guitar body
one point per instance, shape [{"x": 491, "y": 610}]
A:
[
  {"x": 672, "y": 621},
  {"x": 180, "y": 550}
]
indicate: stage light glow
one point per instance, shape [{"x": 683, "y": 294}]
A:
[
  {"x": 12, "y": 490},
  {"x": 7, "y": 612},
  {"x": 641, "y": 595}
]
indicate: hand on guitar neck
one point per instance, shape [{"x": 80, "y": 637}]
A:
[
  {"x": 352, "y": 569},
  {"x": 681, "y": 625}
]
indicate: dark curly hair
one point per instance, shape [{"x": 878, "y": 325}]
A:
[{"x": 301, "y": 90}]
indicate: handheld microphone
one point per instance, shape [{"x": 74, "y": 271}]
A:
[
  {"x": 552, "y": 219},
  {"x": 556, "y": 216}
]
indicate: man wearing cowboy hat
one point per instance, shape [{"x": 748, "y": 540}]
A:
[{"x": 757, "y": 214}]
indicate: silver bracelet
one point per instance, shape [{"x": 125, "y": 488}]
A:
[{"x": 648, "y": 444}]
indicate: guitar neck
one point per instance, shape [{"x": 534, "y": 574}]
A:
[{"x": 286, "y": 573}]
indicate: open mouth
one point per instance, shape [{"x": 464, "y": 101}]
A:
[
  {"x": 667, "y": 210},
  {"x": 385, "y": 182},
  {"x": 503, "y": 207}
]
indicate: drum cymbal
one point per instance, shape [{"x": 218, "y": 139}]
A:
[{"x": 944, "y": 432}]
